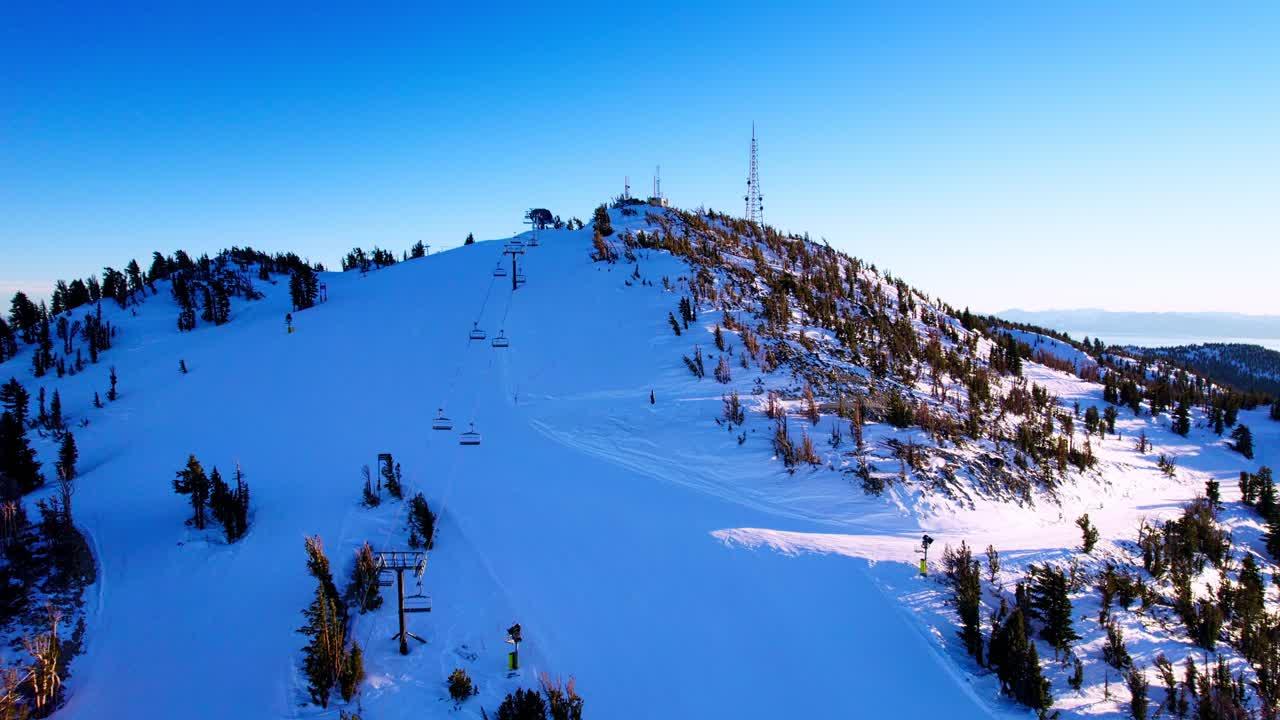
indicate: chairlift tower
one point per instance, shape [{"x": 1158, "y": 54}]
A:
[
  {"x": 398, "y": 561},
  {"x": 755, "y": 201},
  {"x": 514, "y": 250}
]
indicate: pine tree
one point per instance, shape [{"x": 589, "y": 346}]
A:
[
  {"x": 1017, "y": 663},
  {"x": 1114, "y": 650},
  {"x": 352, "y": 672},
  {"x": 112, "y": 394},
  {"x": 391, "y": 478},
  {"x": 1182, "y": 419},
  {"x": 1089, "y": 533},
  {"x": 966, "y": 587},
  {"x": 230, "y": 505},
  {"x": 600, "y": 221},
  {"x": 19, "y": 469},
  {"x": 182, "y": 366},
  {"x": 364, "y": 580},
  {"x": 369, "y": 496},
  {"x": 322, "y": 660},
  {"x": 191, "y": 481},
  {"x": 327, "y": 660},
  {"x": 422, "y": 521},
  {"x": 303, "y": 287},
  {"x": 675, "y": 326},
  {"x": 15, "y": 400},
  {"x": 1052, "y": 606},
  {"x": 522, "y": 705},
  {"x": 1136, "y": 679},
  {"x": 55, "y": 411},
  {"x": 1243, "y": 441},
  {"x": 67, "y": 457},
  {"x": 471, "y": 240}
]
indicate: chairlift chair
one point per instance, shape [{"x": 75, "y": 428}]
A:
[
  {"x": 501, "y": 340},
  {"x": 499, "y": 271},
  {"x": 418, "y": 601},
  {"x": 441, "y": 422},
  {"x": 385, "y": 578},
  {"x": 470, "y": 437},
  {"x": 520, "y": 279},
  {"x": 476, "y": 332}
]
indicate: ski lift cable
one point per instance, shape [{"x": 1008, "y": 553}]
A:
[{"x": 402, "y": 517}]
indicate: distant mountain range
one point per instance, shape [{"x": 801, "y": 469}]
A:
[{"x": 1153, "y": 329}]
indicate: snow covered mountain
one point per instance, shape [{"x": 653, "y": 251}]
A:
[{"x": 708, "y": 456}]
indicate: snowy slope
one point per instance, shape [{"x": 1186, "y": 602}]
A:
[
  {"x": 614, "y": 570},
  {"x": 673, "y": 571}
]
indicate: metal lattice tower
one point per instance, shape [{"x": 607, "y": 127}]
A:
[{"x": 755, "y": 201}]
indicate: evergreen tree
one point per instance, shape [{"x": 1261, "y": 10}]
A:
[
  {"x": 322, "y": 657},
  {"x": 675, "y": 326},
  {"x": 15, "y": 400},
  {"x": 1243, "y": 441},
  {"x": 471, "y": 240},
  {"x": 230, "y": 505},
  {"x": 1212, "y": 491},
  {"x": 391, "y": 478},
  {"x": 1051, "y": 605},
  {"x": 1182, "y": 419},
  {"x": 522, "y": 705},
  {"x": 363, "y": 590},
  {"x": 112, "y": 394},
  {"x": 1275, "y": 409},
  {"x": 966, "y": 587},
  {"x": 1114, "y": 650},
  {"x": 352, "y": 672},
  {"x": 19, "y": 469},
  {"x": 192, "y": 482},
  {"x": 328, "y": 662},
  {"x": 1089, "y": 533},
  {"x": 1018, "y": 663},
  {"x": 600, "y": 221},
  {"x": 55, "y": 411},
  {"x": 67, "y": 457},
  {"x": 1136, "y": 679},
  {"x": 303, "y": 287},
  {"x": 422, "y": 520},
  {"x": 24, "y": 316}
]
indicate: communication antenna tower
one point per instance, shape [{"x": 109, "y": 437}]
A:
[{"x": 755, "y": 201}]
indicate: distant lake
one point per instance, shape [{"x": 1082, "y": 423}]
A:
[{"x": 1152, "y": 341}]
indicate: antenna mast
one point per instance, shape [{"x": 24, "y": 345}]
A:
[{"x": 755, "y": 201}]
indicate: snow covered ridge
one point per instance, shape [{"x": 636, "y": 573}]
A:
[
  {"x": 1246, "y": 367},
  {"x": 1075, "y": 428},
  {"x": 624, "y": 510}
]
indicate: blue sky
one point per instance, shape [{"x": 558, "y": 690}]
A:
[{"x": 996, "y": 155}]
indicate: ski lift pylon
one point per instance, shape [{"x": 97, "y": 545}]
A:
[
  {"x": 441, "y": 422},
  {"x": 470, "y": 437},
  {"x": 476, "y": 332}
]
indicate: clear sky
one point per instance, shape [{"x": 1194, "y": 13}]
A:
[{"x": 1101, "y": 154}]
